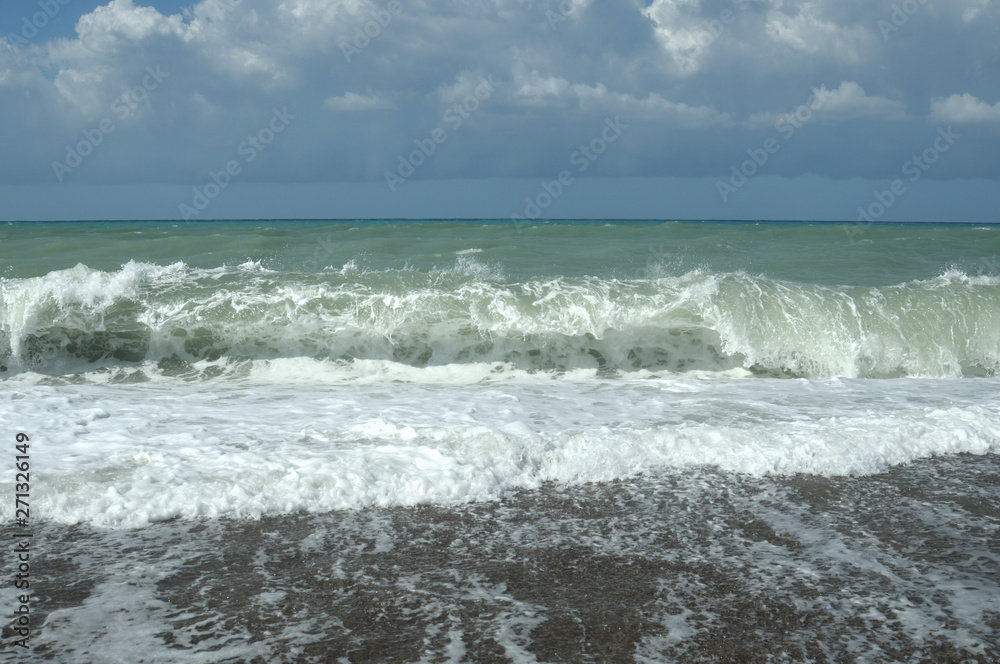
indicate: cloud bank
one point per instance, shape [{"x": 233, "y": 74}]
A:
[{"x": 698, "y": 81}]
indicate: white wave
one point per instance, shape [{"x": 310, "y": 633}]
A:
[
  {"x": 129, "y": 455},
  {"x": 71, "y": 320}
]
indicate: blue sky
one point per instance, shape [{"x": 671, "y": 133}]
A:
[{"x": 674, "y": 109}]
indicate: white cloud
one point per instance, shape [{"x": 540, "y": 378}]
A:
[
  {"x": 972, "y": 11},
  {"x": 351, "y": 101},
  {"x": 105, "y": 28},
  {"x": 964, "y": 108},
  {"x": 652, "y": 107},
  {"x": 851, "y": 101},
  {"x": 690, "y": 31},
  {"x": 847, "y": 102},
  {"x": 534, "y": 90},
  {"x": 531, "y": 89},
  {"x": 328, "y": 11},
  {"x": 681, "y": 31},
  {"x": 313, "y": 22},
  {"x": 666, "y": 65},
  {"x": 808, "y": 31},
  {"x": 465, "y": 84},
  {"x": 82, "y": 89}
]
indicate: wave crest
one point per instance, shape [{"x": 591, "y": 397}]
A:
[{"x": 172, "y": 320}]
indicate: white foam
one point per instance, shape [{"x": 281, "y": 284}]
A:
[{"x": 129, "y": 455}]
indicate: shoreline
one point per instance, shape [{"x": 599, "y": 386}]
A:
[{"x": 683, "y": 566}]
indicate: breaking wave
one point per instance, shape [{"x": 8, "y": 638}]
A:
[{"x": 164, "y": 321}]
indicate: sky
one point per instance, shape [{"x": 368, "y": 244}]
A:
[{"x": 832, "y": 110}]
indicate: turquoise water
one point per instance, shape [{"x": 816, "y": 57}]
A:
[
  {"x": 770, "y": 299},
  {"x": 509, "y": 355},
  {"x": 231, "y": 424},
  {"x": 830, "y": 254}
]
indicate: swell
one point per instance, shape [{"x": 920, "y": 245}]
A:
[{"x": 176, "y": 320}]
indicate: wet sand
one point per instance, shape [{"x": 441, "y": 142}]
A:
[{"x": 687, "y": 566}]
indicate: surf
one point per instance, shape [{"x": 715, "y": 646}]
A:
[{"x": 175, "y": 320}]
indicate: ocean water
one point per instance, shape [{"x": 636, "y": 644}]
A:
[{"x": 472, "y": 441}]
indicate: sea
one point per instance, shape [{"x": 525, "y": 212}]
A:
[{"x": 479, "y": 441}]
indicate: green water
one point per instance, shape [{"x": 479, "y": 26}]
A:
[{"x": 830, "y": 254}]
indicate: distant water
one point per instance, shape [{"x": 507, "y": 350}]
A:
[{"x": 175, "y": 377}]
